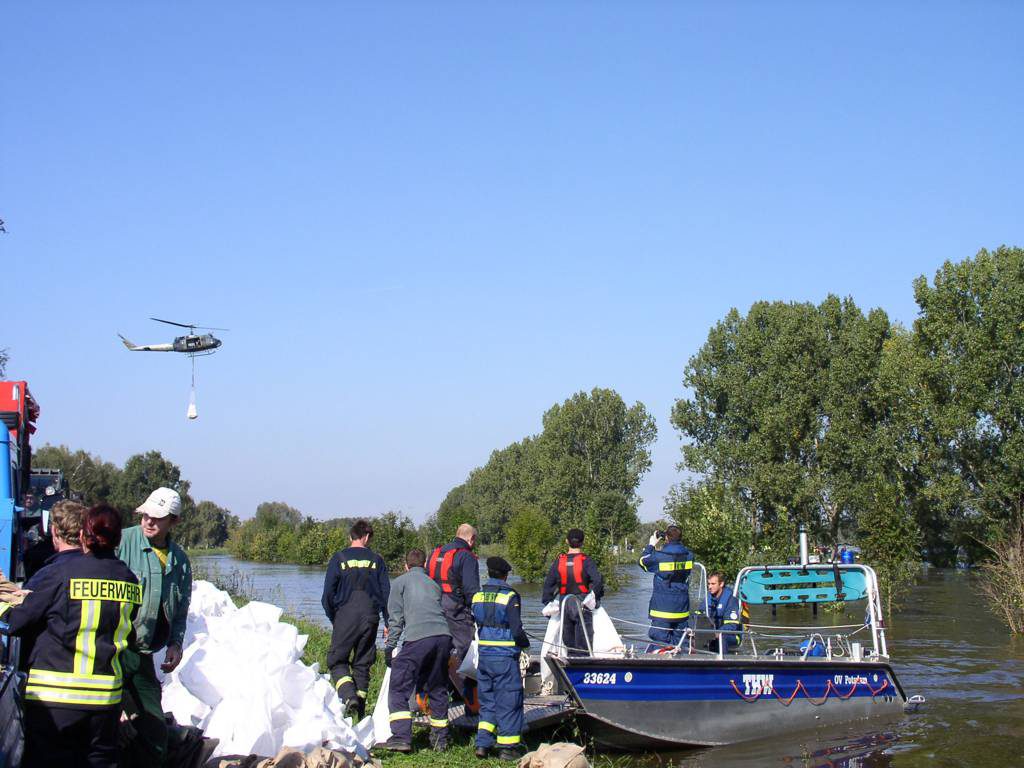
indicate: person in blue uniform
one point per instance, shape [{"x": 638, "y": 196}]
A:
[
  {"x": 79, "y": 610},
  {"x": 723, "y": 611},
  {"x": 356, "y": 590},
  {"x": 573, "y": 573},
  {"x": 669, "y": 609},
  {"x": 497, "y": 612}
]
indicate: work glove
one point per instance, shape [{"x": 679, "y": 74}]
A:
[
  {"x": 590, "y": 601},
  {"x": 388, "y": 653}
]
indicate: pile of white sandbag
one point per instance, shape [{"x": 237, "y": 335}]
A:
[{"x": 242, "y": 682}]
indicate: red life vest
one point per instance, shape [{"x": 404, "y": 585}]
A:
[
  {"x": 443, "y": 574},
  {"x": 577, "y": 587}
]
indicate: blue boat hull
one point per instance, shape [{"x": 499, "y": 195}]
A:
[{"x": 696, "y": 701}]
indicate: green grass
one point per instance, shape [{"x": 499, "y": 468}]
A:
[{"x": 202, "y": 552}]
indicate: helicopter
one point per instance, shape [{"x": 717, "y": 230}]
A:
[{"x": 192, "y": 344}]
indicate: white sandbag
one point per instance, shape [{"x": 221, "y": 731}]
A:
[
  {"x": 552, "y": 645},
  {"x": 469, "y": 664},
  {"x": 186, "y": 708},
  {"x": 366, "y": 732},
  {"x": 381, "y": 712},
  {"x": 606, "y": 642},
  {"x": 551, "y": 609}
]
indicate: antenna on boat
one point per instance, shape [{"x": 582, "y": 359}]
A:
[{"x": 803, "y": 545}]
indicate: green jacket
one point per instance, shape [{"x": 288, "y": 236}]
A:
[{"x": 168, "y": 591}]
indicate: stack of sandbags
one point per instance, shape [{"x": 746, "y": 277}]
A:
[
  {"x": 242, "y": 682},
  {"x": 560, "y": 755}
]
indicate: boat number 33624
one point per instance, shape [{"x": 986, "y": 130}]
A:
[{"x": 599, "y": 678}]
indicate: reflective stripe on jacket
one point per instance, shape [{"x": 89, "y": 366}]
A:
[
  {"x": 80, "y": 613},
  {"x": 168, "y": 590},
  {"x": 496, "y": 611},
  {"x": 671, "y": 566},
  {"x": 356, "y": 569}
]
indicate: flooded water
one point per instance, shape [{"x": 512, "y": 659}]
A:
[{"x": 944, "y": 644}]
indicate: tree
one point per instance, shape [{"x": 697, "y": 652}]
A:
[
  {"x": 592, "y": 443},
  {"x": 970, "y": 331},
  {"x": 891, "y": 543},
  {"x": 714, "y": 523},
  {"x": 4, "y": 359},
  {"x": 88, "y": 476},
  {"x": 394, "y": 534},
  {"x": 207, "y": 526},
  {"x": 272, "y": 514},
  {"x": 784, "y": 413},
  {"x": 142, "y": 474},
  {"x": 531, "y": 543}
]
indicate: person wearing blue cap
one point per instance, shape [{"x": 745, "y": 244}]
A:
[{"x": 497, "y": 611}]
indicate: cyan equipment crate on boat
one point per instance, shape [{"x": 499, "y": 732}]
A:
[{"x": 776, "y": 585}]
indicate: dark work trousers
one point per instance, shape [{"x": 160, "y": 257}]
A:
[
  {"x": 460, "y": 624},
  {"x": 142, "y": 698},
  {"x": 353, "y": 646},
  {"x": 423, "y": 661},
  {"x": 501, "y": 701},
  {"x": 666, "y": 631},
  {"x": 577, "y": 627},
  {"x": 75, "y": 738}
]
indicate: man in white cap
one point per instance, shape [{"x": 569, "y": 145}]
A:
[{"x": 165, "y": 575}]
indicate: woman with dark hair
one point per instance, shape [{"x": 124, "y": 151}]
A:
[{"x": 80, "y": 613}]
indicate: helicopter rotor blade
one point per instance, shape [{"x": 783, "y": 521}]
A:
[{"x": 171, "y": 322}]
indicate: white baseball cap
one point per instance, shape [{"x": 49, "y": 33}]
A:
[{"x": 161, "y": 503}]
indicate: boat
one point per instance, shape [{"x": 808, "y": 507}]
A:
[{"x": 779, "y": 679}]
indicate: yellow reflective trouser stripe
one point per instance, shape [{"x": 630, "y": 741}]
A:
[
  {"x": 47, "y": 678},
  {"x": 438, "y": 723},
  {"x": 668, "y": 615},
  {"x": 730, "y": 621},
  {"x": 361, "y": 694},
  {"x": 498, "y": 642},
  {"x": 400, "y": 716},
  {"x": 85, "y": 640},
  {"x": 502, "y": 740},
  {"x": 342, "y": 681},
  {"x": 676, "y": 565},
  {"x": 483, "y": 725},
  {"x": 124, "y": 626},
  {"x": 58, "y": 696},
  {"x": 4, "y": 607}
]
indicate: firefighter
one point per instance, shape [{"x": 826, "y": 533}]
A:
[
  {"x": 414, "y": 612},
  {"x": 79, "y": 611},
  {"x": 723, "y": 611},
  {"x": 356, "y": 590},
  {"x": 669, "y": 609},
  {"x": 573, "y": 573},
  {"x": 455, "y": 569},
  {"x": 497, "y": 612}
]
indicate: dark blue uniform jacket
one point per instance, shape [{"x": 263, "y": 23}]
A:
[{"x": 356, "y": 568}]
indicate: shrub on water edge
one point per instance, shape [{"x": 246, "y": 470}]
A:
[{"x": 531, "y": 541}]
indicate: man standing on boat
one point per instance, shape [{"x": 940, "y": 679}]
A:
[
  {"x": 356, "y": 590},
  {"x": 497, "y": 611},
  {"x": 573, "y": 575},
  {"x": 723, "y": 611},
  {"x": 165, "y": 573},
  {"x": 669, "y": 609},
  {"x": 455, "y": 569}
]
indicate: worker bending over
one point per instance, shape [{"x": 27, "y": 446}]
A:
[
  {"x": 455, "y": 569},
  {"x": 497, "y": 612},
  {"x": 573, "y": 573},
  {"x": 356, "y": 590},
  {"x": 414, "y": 613},
  {"x": 669, "y": 609},
  {"x": 724, "y": 612}
]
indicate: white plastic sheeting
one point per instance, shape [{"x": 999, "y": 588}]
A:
[{"x": 241, "y": 681}]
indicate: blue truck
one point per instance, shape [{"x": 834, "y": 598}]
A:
[{"x": 18, "y": 412}]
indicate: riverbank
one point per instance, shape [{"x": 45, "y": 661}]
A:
[{"x": 458, "y": 755}]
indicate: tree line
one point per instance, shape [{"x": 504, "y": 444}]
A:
[{"x": 203, "y": 524}]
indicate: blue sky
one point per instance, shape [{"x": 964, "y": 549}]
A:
[{"x": 426, "y": 223}]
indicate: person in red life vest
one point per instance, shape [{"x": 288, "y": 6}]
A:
[
  {"x": 455, "y": 569},
  {"x": 575, "y": 574}
]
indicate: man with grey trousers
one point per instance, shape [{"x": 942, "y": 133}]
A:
[{"x": 414, "y": 608}]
